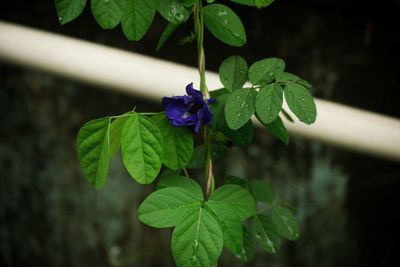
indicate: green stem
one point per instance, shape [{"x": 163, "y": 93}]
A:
[
  {"x": 186, "y": 172},
  {"x": 199, "y": 32}
]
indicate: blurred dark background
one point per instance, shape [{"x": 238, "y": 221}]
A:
[{"x": 347, "y": 203}]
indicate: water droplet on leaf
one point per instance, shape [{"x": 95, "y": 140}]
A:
[
  {"x": 222, "y": 13},
  {"x": 271, "y": 245},
  {"x": 193, "y": 260},
  {"x": 179, "y": 16},
  {"x": 195, "y": 246}
]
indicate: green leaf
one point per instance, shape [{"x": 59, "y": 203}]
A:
[
  {"x": 286, "y": 224},
  {"x": 264, "y": 71},
  {"x": 199, "y": 155},
  {"x": 93, "y": 150},
  {"x": 263, "y": 3},
  {"x": 232, "y": 197},
  {"x": 168, "y": 31},
  {"x": 224, "y": 24},
  {"x": 241, "y": 137},
  {"x": 173, "y": 11},
  {"x": 265, "y": 233},
  {"x": 137, "y": 19},
  {"x": 277, "y": 129},
  {"x": 183, "y": 182},
  {"x": 198, "y": 158},
  {"x": 287, "y": 116},
  {"x": 236, "y": 181},
  {"x": 218, "y": 111},
  {"x": 233, "y": 72},
  {"x": 269, "y": 102},
  {"x": 142, "y": 148},
  {"x": 262, "y": 191},
  {"x": 158, "y": 117},
  {"x": 300, "y": 102},
  {"x": 230, "y": 225},
  {"x": 188, "y": 3},
  {"x": 219, "y": 92},
  {"x": 115, "y": 134},
  {"x": 68, "y": 10},
  {"x": 197, "y": 241},
  {"x": 168, "y": 207},
  {"x": 247, "y": 252},
  {"x": 108, "y": 13},
  {"x": 187, "y": 39},
  {"x": 240, "y": 107},
  {"x": 168, "y": 172},
  {"x": 178, "y": 144},
  {"x": 289, "y": 77},
  {"x": 244, "y": 2}
]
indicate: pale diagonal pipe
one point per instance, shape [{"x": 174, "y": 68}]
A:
[{"x": 113, "y": 69}]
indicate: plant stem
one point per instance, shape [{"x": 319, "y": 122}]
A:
[
  {"x": 186, "y": 172},
  {"x": 199, "y": 32}
]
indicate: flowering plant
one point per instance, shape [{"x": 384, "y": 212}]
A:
[
  {"x": 161, "y": 145},
  {"x": 189, "y": 110}
]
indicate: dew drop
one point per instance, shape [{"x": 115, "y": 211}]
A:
[
  {"x": 195, "y": 246},
  {"x": 180, "y": 16},
  {"x": 60, "y": 18},
  {"x": 258, "y": 236},
  {"x": 271, "y": 245},
  {"x": 193, "y": 260},
  {"x": 222, "y": 13}
]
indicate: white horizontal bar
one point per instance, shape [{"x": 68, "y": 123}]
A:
[{"x": 110, "y": 68}]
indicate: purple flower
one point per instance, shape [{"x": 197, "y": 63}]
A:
[{"x": 188, "y": 110}]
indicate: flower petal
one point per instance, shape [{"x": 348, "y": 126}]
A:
[
  {"x": 197, "y": 126},
  {"x": 175, "y": 108},
  {"x": 207, "y": 115},
  {"x": 191, "y": 110},
  {"x": 193, "y": 92}
]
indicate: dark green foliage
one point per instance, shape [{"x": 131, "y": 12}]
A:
[{"x": 202, "y": 226}]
